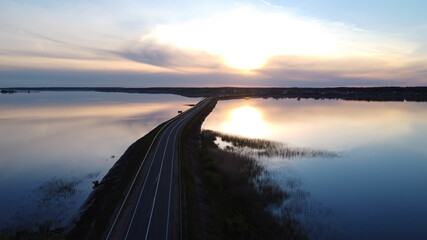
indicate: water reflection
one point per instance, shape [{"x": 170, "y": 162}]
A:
[
  {"x": 333, "y": 125},
  {"x": 378, "y": 188},
  {"x": 245, "y": 121},
  {"x": 69, "y": 136}
]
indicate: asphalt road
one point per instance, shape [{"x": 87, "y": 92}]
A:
[{"x": 151, "y": 208}]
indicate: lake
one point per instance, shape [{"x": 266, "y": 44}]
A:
[
  {"x": 53, "y": 145},
  {"x": 376, "y": 185}
]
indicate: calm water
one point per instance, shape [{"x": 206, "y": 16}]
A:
[
  {"x": 54, "y": 144},
  {"x": 375, "y": 189}
]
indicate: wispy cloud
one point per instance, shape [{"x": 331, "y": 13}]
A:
[
  {"x": 153, "y": 52},
  {"x": 270, "y": 5},
  {"x": 369, "y": 71}
]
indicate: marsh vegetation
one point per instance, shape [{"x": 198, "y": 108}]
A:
[
  {"x": 249, "y": 202},
  {"x": 243, "y": 196},
  {"x": 266, "y": 148}
]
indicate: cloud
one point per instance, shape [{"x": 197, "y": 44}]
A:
[
  {"x": 56, "y": 78},
  {"x": 339, "y": 70},
  {"x": 33, "y": 44},
  {"x": 54, "y": 55},
  {"x": 270, "y": 5},
  {"x": 153, "y": 52},
  {"x": 284, "y": 78}
]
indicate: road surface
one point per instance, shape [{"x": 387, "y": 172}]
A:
[{"x": 151, "y": 209}]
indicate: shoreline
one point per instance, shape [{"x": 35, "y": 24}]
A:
[{"x": 416, "y": 94}]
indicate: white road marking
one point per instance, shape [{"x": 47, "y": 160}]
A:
[
  {"x": 170, "y": 185},
  {"x": 133, "y": 182},
  {"x": 142, "y": 190},
  {"x": 161, "y": 168}
]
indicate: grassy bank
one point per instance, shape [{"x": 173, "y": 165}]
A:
[{"x": 195, "y": 215}]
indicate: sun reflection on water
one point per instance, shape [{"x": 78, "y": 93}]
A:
[{"x": 246, "y": 121}]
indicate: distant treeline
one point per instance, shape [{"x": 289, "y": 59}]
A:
[{"x": 418, "y": 94}]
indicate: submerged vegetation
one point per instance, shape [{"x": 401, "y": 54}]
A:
[
  {"x": 44, "y": 215},
  {"x": 57, "y": 189},
  {"x": 266, "y": 148}
]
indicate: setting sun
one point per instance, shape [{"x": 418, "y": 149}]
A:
[
  {"x": 243, "y": 61},
  {"x": 246, "y": 121}
]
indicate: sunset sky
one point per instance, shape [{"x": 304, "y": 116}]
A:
[{"x": 213, "y": 43}]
